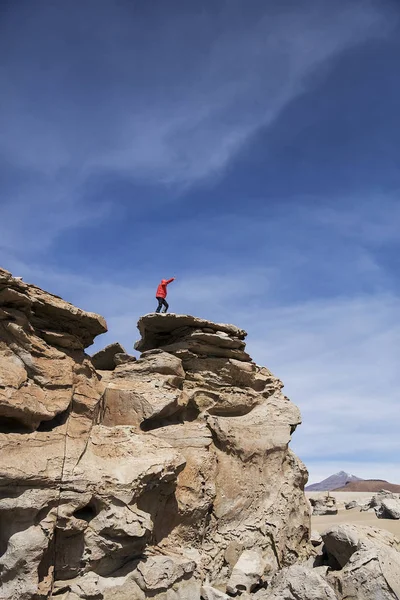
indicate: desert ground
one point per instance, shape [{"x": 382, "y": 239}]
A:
[{"x": 320, "y": 523}]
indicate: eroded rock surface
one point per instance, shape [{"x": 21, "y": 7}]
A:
[
  {"x": 108, "y": 358},
  {"x": 153, "y": 479},
  {"x": 43, "y": 369},
  {"x": 385, "y": 504},
  {"x": 184, "y": 332},
  {"x": 323, "y": 505},
  {"x": 298, "y": 583},
  {"x": 368, "y": 562}
]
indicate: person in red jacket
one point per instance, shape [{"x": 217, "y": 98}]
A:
[{"x": 161, "y": 294}]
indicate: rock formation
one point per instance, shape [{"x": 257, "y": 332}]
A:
[
  {"x": 196, "y": 387},
  {"x": 168, "y": 477},
  {"x": 368, "y": 562},
  {"x": 323, "y": 505},
  {"x": 109, "y": 357},
  {"x": 158, "y": 475},
  {"x": 385, "y": 504}
]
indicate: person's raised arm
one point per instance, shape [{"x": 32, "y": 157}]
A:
[{"x": 170, "y": 280}]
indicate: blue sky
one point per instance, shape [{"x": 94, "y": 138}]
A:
[{"x": 251, "y": 149}]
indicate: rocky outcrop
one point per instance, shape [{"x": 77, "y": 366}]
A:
[
  {"x": 360, "y": 504},
  {"x": 70, "y": 488},
  {"x": 298, "y": 583},
  {"x": 168, "y": 477},
  {"x": 231, "y": 422},
  {"x": 315, "y": 538},
  {"x": 367, "y": 562},
  {"x": 323, "y": 505},
  {"x": 385, "y": 504},
  {"x": 180, "y": 333},
  {"x": 108, "y": 358},
  {"x": 42, "y": 364},
  {"x": 390, "y": 509},
  {"x": 163, "y": 475}
]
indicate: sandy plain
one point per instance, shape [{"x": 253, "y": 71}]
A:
[{"x": 320, "y": 523}]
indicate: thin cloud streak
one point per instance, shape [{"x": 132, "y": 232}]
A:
[
  {"x": 238, "y": 81},
  {"x": 244, "y": 80},
  {"x": 338, "y": 359}
]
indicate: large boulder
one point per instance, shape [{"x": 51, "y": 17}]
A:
[
  {"x": 386, "y": 505},
  {"x": 52, "y": 317},
  {"x": 104, "y": 360},
  {"x": 174, "y": 333},
  {"x": 323, "y": 505},
  {"x": 389, "y": 509},
  {"x": 242, "y": 488},
  {"x": 367, "y": 562},
  {"x": 298, "y": 582},
  {"x": 43, "y": 369},
  {"x": 247, "y": 572},
  {"x": 360, "y": 504},
  {"x": 143, "y": 392},
  {"x": 152, "y": 479}
]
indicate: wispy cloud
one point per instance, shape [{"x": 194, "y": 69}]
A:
[
  {"x": 375, "y": 220},
  {"x": 238, "y": 78},
  {"x": 35, "y": 213},
  {"x": 172, "y": 108},
  {"x": 338, "y": 359}
]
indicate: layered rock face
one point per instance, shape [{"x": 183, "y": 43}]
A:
[
  {"x": 161, "y": 478},
  {"x": 242, "y": 487},
  {"x": 323, "y": 505},
  {"x": 168, "y": 477}
]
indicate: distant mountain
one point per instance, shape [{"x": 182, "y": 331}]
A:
[
  {"x": 369, "y": 485},
  {"x": 338, "y": 480}
]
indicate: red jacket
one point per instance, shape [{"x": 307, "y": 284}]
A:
[{"x": 162, "y": 288}]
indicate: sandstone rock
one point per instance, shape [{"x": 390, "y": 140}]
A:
[
  {"x": 368, "y": 560},
  {"x": 210, "y": 593},
  {"x": 104, "y": 360},
  {"x": 91, "y": 586},
  {"x": 148, "y": 480},
  {"x": 245, "y": 436},
  {"x": 24, "y": 549},
  {"x": 48, "y": 312},
  {"x": 100, "y": 522},
  {"x": 385, "y": 504},
  {"x": 26, "y": 542},
  {"x": 222, "y": 372},
  {"x": 315, "y": 538},
  {"x": 121, "y": 587},
  {"x": 247, "y": 572},
  {"x": 154, "y": 328},
  {"x": 176, "y": 333},
  {"x": 233, "y": 429},
  {"x": 41, "y": 354},
  {"x": 144, "y": 391},
  {"x": 203, "y": 349},
  {"x": 355, "y": 504},
  {"x": 121, "y": 358},
  {"x": 390, "y": 509},
  {"x": 162, "y": 572},
  {"x": 323, "y": 505},
  {"x": 298, "y": 583}
]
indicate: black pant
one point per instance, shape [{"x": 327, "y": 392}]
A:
[{"x": 161, "y": 302}]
